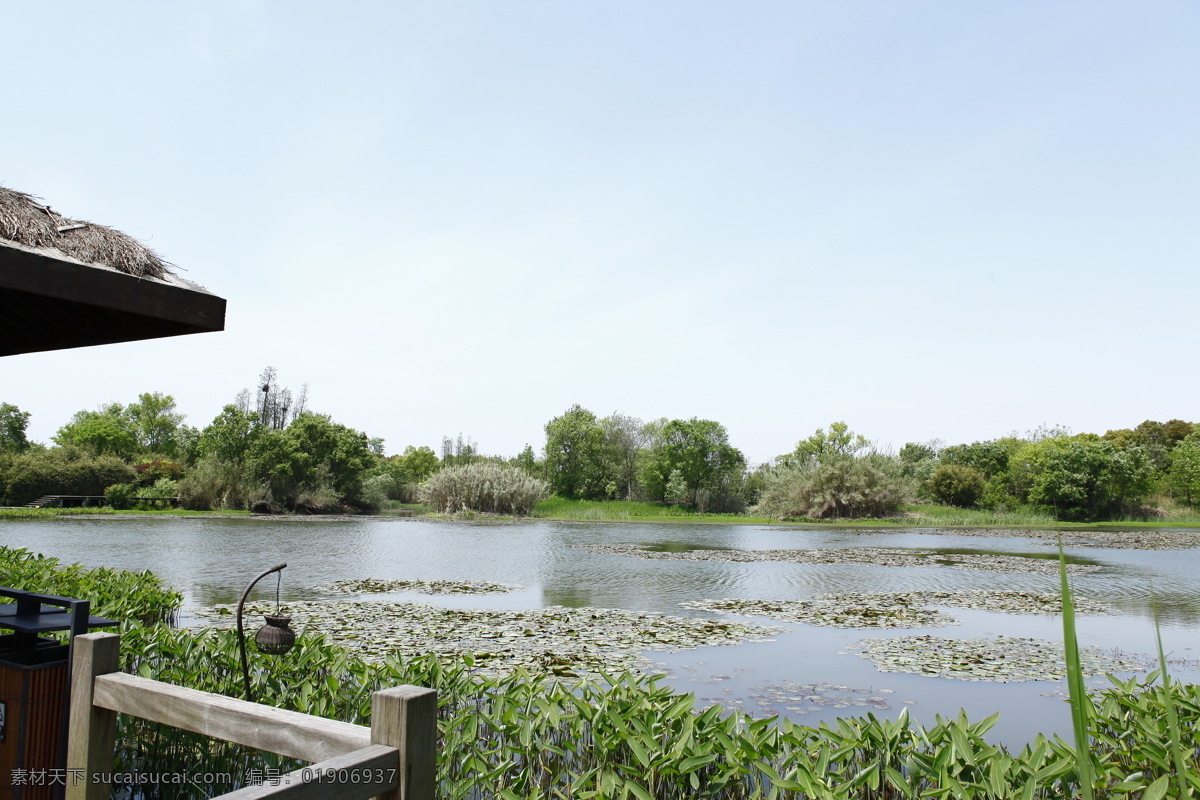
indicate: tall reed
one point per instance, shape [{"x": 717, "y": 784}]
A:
[
  {"x": 1081, "y": 703},
  {"x": 1176, "y": 742},
  {"x": 484, "y": 487}
]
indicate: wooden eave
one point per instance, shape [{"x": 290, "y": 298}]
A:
[{"x": 51, "y": 302}]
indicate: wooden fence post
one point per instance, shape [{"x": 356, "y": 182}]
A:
[
  {"x": 406, "y": 718},
  {"x": 92, "y": 730}
]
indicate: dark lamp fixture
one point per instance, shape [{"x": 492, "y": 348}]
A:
[{"x": 274, "y": 638}]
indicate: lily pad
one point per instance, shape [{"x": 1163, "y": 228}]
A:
[
  {"x": 380, "y": 586},
  {"x": 1144, "y": 539},
  {"x": 895, "y": 609},
  {"x": 554, "y": 641},
  {"x": 1002, "y": 659}
]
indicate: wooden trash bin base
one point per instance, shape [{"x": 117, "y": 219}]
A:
[{"x": 33, "y": 688}]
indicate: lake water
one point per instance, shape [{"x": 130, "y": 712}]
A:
[{"x": 211, "y": 560}]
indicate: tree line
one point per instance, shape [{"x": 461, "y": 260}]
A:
[{"x": 267, "y": 451}]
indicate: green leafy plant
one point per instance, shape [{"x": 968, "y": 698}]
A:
[
  {"x": 119, "y": 496},
  {"x": 118, "y": 594}
]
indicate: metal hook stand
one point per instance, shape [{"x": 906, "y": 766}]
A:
[{"x": 241, "y": 631}]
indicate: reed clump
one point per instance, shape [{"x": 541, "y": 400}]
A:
[
  {"x": 839, "y": 487},
  {"x": 484, "y": 487}
]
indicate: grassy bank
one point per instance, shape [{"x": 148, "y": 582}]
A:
[
  {"x": 52, "y": 513},
  {"x": 916, "y": 516},
  {"x": 629, "y": 511},
  {"x": 933, "y": 516}
]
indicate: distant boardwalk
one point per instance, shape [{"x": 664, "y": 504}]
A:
[{"x": 84, "y": 500}]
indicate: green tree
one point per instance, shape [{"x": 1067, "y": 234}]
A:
[
  {"x": 917, "y": 453},
  {"x": 989, "y": 458},
  {"x": 149, "y": 426},
  {"x": 574, "y": 459},
  {"x": 13, "y": 423},
  {"x": 108, "y": 431},
  {"x": 1176, "y": 430},
  {"x": 824, "y": 444},
  {"x": 709, "y": 466},
  {"x": 1082, "y": 477},
  {"x": 1184, "y": 471},
  {"x": 919, "y": 460},
  {"x": 677, "y": 489},
  {"x": 329, "y": 451},
  {"x": 1121, "y": 437},
  {"x": 156, "y": 423},
  {"x": 420, "y": 462},
  {"x": 527, "y": 461},
  {"x": 1151, "y": 436},
  {"x": 231, "y": 436},
  {"x": 624, "y": 441},
  {"x": 313, "y": 463}
]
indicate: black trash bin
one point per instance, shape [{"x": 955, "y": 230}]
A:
[{"x": 34, "y": 691}]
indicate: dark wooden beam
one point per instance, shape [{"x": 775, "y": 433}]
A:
[{"x": 49, "y": 303}]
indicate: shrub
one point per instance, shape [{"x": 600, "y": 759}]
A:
[
  {"x": 63, "y": 470},
  {"x": 149, "y": 472},
  {"x": 163, "y": 489},
  {"x": 319, "y": 499},
  {"x": 956, "y": 485},
  {"x": 119, "y": 496},
  {"x": 374, "y": 491},
  {"x": 871, "y": 486},
  {"x": 486, "y": 487}
]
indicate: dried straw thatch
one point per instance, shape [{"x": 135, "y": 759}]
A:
[{"x": 26, "y": 221}]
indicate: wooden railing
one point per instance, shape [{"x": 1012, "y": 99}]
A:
[{"x": 394, "y": 759}]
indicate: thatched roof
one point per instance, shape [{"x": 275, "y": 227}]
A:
[
  {"x": 26, "y": 220},
  {"x": 66, "y": 283}
]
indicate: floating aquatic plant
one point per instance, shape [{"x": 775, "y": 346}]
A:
[
  {"x": 893, "y": 609},
  {"x": 558, "y": 641},
  {"x": 380, "y": 586},
  {"x": 869, "y": 556},
  {"x": 1003, "y": 658}
]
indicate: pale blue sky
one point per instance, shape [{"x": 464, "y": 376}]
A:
[{"x": 928, "y": 219}]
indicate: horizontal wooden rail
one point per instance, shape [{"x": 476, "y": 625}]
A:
[
  {"x": 275, "y": 730},
  {"x": 355, "y": 776},
  {"x": 394, "y": 759}
]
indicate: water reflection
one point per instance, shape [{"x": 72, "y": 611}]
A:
[
  {"x": 1070, "y": 558},
  {"x": 680, "y": 547}
]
